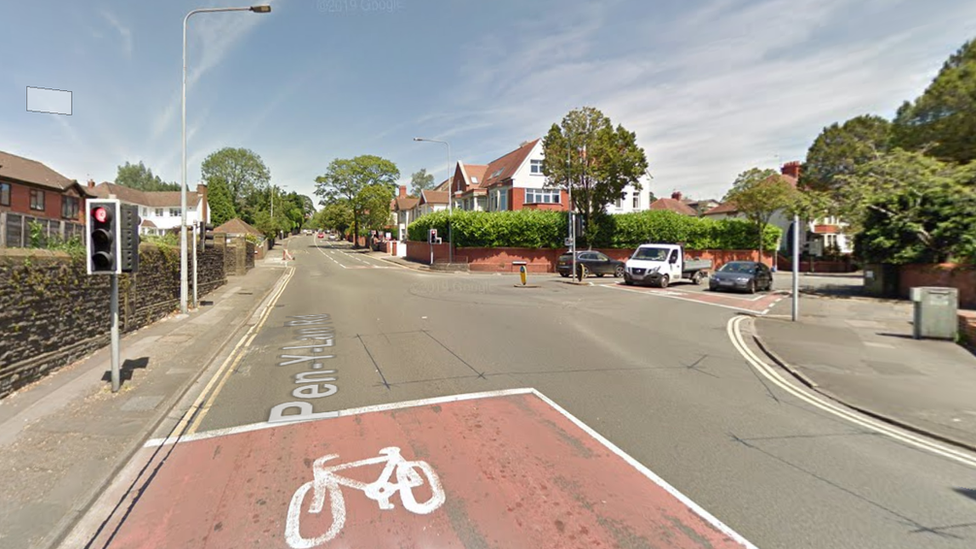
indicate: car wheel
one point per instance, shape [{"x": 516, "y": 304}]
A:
[
  {"x": 696, "y": 279},
  {"x": 751, "y": 288},
  {"x": 663, "y": 282},
  {"x": 619, "y": 271},
  {"x": 564, "y": 275}
]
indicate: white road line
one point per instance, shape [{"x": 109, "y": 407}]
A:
[
  {"x": 615, "y": 287},
  {"x": 329, "y": 256},
  {"x": 883, "y": 428}
]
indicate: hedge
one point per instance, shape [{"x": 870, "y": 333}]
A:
[{"x": 548, "y": 229}]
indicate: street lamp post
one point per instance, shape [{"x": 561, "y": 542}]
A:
[
  {"x": 183, "y": 250},
  {"x": 450, "y": 198}
]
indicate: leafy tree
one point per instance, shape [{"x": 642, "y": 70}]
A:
[
  {"x": 942, "y": 121},
  {"x": 421, "y": 181},
  {"x": 220, "y": 203},
  {"x": 242, "y": 171},
  {"x": 334, "y": 216},
  {"x": 839, "y": 149},
  {"x": 758, "y": 194},
  {"x": 908, "y": 207},
  {"x": 138, "y": 176},
  {"x": 598, "y": 160},
  {"x": 349, "y": 180},
  {"x": 376, "y": 206}
]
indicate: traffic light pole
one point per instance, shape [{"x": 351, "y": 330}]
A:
[
  {"x": 195, "y": 236},
  {"x": 114, "y": 307}
]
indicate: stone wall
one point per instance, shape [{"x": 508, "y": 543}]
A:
[{"x": 53, "y": 313}]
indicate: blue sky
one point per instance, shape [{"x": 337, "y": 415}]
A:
[{"x": 710, "y": 87}]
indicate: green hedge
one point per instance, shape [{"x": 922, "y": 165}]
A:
[{"x": 547, "y": 229}]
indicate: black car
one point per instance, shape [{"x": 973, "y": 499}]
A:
[
  {"x": 749, "y": 276},
  {"x": 594, "y": 262}
]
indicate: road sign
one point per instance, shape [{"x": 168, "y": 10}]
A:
[
  {"x": 568, "y": 242},
  {"x": 503, "y": 469}
]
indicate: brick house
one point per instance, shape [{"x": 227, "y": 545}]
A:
[
  {"x": 159, "y": 210},
  {"x": 404, "y": 208},
  {"x": 821, "y": 234},
  {"x": 30, "y": 188}
]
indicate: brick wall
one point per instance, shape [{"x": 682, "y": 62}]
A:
[
  {"x": 950, "y": 275},
  {"x": 54, "y": 313},
  {"x": 543, "y": 260},
  {"x": 967, "y": 329}
]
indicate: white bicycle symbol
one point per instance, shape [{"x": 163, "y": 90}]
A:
[{"x": 327, "y": 483}]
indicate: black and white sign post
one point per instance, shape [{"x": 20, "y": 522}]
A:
[
  {"x": 112, "y": 248},
  {"x": 796, "y": 267}
]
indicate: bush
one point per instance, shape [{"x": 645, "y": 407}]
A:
[{"x": 548, "y": 229}]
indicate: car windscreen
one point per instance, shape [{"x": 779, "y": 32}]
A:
[
  {"x": 651, "y": 254},
  {"x": 738, "y": 267}
]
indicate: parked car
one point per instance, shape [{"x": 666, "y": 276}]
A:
[
  {"x": 749, "y": 276},
  {"x": 594, "y": 262},
  {"x": 661, "y": 264}
]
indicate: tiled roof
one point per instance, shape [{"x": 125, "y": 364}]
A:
[
  {"x": 237, "y": 226},
  {"x": 672, "y": 205},
  {"x": 725, "y": 208},
  {"x": 433, "y": 197},
  {"x": 31, "y": 171},
  {"x": 504, "y": 168},
  {"x": 442, "y": 186},
  {"x": 148, "y": 223},
  {"x": 155, "y": 199},
  {"x": 404, "y": 203}
]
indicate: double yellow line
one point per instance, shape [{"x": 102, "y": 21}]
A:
[{"x": 206, "y": 398}]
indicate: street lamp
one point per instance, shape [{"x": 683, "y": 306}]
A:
[
  {"x": 450, "y": 198},
  {"x": 183, "y": 253}
]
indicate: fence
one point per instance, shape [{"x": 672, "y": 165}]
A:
[{"x": 15, "y": 229}]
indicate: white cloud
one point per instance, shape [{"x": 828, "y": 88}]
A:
[{"x": 123, "y": 31}]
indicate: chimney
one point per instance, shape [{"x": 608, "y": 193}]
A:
[
  {"x": 403, "y": 191},
  {"x": 91, "y": 183},
  {"x": 676, "y": 195},
  {"x": 791, "y": 169}
]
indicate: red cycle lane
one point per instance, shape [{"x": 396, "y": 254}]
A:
[{"x": 508, "y": 469}]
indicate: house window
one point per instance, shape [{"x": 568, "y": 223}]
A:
[
  {"x": 541, "y": 196},
  {"x": 493, "y": 206},
  {"x": 174, "y": 212},
  {"x": 535, "y": 167},
  {"x": 619, "y": 203},
  {"x": 145, "y": 211},
  {"x": 159, "y": 212},
  {"x": 69, "y": 207},
  {"x": 503, "y": 199},
  {"x": 4, "y": 194},
  {"x": 636, "y": 201},
  {"x": 37, "y": 199}
]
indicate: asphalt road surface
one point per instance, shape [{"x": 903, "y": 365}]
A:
[{"x": 656, "y": 376}]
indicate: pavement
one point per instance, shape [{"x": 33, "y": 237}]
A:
[
  {"x": 860, "y": 351},
  {"x": 64, "y": 438}
]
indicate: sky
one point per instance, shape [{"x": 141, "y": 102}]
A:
[{"x": 710, "y": 87}]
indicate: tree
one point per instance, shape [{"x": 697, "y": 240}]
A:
[
  {"x": 758, "y": 194},
  {"x": 138, "y": 176},
  {"x": 376, "y": 206},
  {"x": 347, "y": 179},
  {"x": 840, "y": 149},
  {"x": 220, "y": 203},
  {"x": 334, "y": 216},
  {"x": 942, "y": 121},
  {"x": 598, "y": 161},
  {"x": 242, "y": 171},
  {"x": 908, "y": 207},
  {"x": 421, "y": 181}
]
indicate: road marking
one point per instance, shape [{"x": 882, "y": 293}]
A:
[
  {"x": 815, "y": 400},
  {"x": 650, "y": 475},
  {"x": 641, "y": 292},
  {"x": 319, "y": 248},
  {"x": 223, "y": 373}
]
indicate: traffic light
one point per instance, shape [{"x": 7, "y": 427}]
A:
[
  {"x": 129, "y": 235},
  {"x": 206, "y": 235},
  {"x": 103, "y": 244}
]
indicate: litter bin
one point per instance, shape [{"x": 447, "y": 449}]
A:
[{"x": 935, "y": 312}]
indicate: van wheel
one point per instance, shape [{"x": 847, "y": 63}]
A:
[
  {"x": 663, "y": 282},
  {"x": 696, "y": 279}
]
